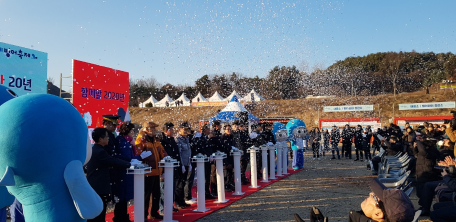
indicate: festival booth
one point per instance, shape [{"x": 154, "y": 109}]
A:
[
  {"x": 162, "y": 102},
  {"x": 353, "y": 122},
  {"x": 252, "y": 96},
  {"x": 234, "y": 93},
  {"x": 199, "y": 98},
  {"x": 415, "y": 121},
  {"x": 183, "y": 99},
  {"x": 151, "y": 100},
  {"x": 215, "y": 98},
  {"x": 228, "y": 114}
]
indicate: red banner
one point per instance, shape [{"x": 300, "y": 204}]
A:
[{"x": 99, "y": 90}]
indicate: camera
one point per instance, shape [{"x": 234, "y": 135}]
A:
[
  {"x": 452, "y": 122},
  {"x": 451, "y": 170}
]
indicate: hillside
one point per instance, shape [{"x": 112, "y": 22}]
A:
[{"x": 308, "y": 110}]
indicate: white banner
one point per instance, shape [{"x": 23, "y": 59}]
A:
[
  {"x": 348, "y": 108},
  {"x": 437, "y": 105}
]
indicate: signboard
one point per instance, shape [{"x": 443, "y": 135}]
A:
[
  {"x": 437, "y": 105},
  {"x": 98, "y": 90},
  {"x": 23, "y": 70},
  {"x": 348, "y": 108},
  {"x": 221, "y": 103},
  {"x": 353, "y": 122}
]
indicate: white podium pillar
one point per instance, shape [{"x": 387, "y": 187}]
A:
[
  {"x": 285, "y": 158},
  {"x": 253, "y": 167},
  {"x": 138, "y": 190},
  {"x": 279, "y": 159},
  {"x": 237, "y": 171},
  {"x": 272, "y": 162},
  {"x": 200, "y": 159},
  {"x": 168, "y": 163},
  {"x": 264, "y": 163},
  {"x": 218, "y": 157}
]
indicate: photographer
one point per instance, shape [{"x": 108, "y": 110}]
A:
[{"x": 451, "y": 129}]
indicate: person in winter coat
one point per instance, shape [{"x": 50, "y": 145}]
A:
[
  {"x": 427, "y": 156},
  {"x": 228, "y": 143},
  {"x": 98, "y": 169},
  {"x": 242, "y": 141},
  {"x": 359, "y": 143},
  {"x": 409, "y": 139},
  {"x": 169, "y": 144},
  {"x": 366, "y": 137},
  {"x": 148, "y": 146},
  {"x": 204, "y": 146},
  {"x": 326, "y": 138},
  {"x": 335, "y": 138},
  {"x": 126, "y": 186},
  {"x": 347, "y": 138},
  {"x": 185, "y": 152}
]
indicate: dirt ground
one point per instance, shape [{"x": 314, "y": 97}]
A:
[{"x": 334, "y": 186}]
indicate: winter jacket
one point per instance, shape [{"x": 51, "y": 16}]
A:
[
  {"x": 425, "y": 162},
  {"x": 392, "y": 148},
  {"x": 170, "y": 146},
  {"x": 147, "y": 143},
  {"x": 335, "y": 136},
  {"x": 326, "y": 137},
  {"x": 366, "y": 137},
  {"x": 268, "y": 136},
  {"x": 347, "y": 136},
  {"x": 203, "y": 145},
  {"x": 227, "y": 143},
  {"x": 184, "y": 149},
  {"x": 126, "y": 184},
  {"x": 358, "y": 137},
  {"x": 98, "y": 169}
]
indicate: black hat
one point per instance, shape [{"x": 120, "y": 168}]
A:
[
  {"x": 168, "y": 125},
  {"x": 184, "y": 125},
  {"x": 237, "y": 122},
  {"x": 114, "y": 119},
  {"x": 216, "y": 122},
  {"x": 204, "y": 127},
  {"x": 398, "y": 206}
]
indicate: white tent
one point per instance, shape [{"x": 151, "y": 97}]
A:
[
  {"x": 185, "y": 101},
  {"x": 234, "y": 93},
  {"x": 215, "y": 98},
  {"x": 252, "y": 94},
  {"x": 150, "y": 100},
  {"x": 199, "y": 98},
  {"x": 162, "y": 102}
]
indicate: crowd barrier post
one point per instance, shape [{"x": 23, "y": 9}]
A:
[
  {"x": 253, "y": 166},
  {"x": 200, "y": 159},
  {"x": 218, "y": 157},
  {"x": 285, "y": 158},
  {"x": 168, "y": 163},
  {"x": 272, "y": 162},
  {"x": 237, "y": 171},
  {"x": 264, "y": 163},
  {"x": 279, "y": 159}
]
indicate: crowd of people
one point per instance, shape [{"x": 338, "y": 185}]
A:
[
  {"x": 112, "y": 155},
  {"x": 429, "y": 145}
]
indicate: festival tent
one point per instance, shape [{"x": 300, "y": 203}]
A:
[
  {"x": 252, "y": 95},
  {"x": 234, "y": 93},
  {"x": 163, "y": 101},
  {"x": 150, "y": 100},
  {"x": 199, "y": 98},
  {"x": 216, "y": 97},
  {"x": 185, "y": 101},
  {"x": 228, "y": 114}
]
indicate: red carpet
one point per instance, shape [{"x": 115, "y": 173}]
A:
[{"x": 187, "y": 214}]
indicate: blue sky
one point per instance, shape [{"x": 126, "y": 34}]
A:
[{"x": 177, "y": 42}]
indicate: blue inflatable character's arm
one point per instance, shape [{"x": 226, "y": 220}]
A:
[{"x": 86, "y": 200}]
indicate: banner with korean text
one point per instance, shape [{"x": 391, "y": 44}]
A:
[
  {"x": 348, "y": 108},
  {"x": 23, "y": 70},
  {"x": 98, "y": 91},
  {"x": 436, "y": 105}
]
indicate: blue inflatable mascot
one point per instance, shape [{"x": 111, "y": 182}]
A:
[
  {"x": 297, "y": 131},
  {"x": 44, "y": 145},
  {"x": 6, "y": 199}
]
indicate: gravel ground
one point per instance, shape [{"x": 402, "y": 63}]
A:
[{"x": 334, "y": 186}]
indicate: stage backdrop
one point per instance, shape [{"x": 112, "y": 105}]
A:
[
  {"x": 23, "y": 70},
  {"x": 98, "y": 90}
]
